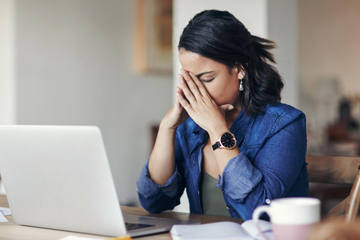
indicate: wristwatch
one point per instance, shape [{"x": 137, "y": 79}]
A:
[{"x": 227, "y": 141}]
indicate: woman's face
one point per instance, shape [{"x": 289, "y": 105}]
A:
[{"x": 221, "y": 85}]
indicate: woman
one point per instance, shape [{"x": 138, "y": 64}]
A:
[{"x": 227, "y": 139}]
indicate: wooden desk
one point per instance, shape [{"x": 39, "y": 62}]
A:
[{"x": 12, "y": 231}]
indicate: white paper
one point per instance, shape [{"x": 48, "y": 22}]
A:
[
  {"x": 5, "y": 211},
  {"x": 222, "y": 230},
  {"x": 3, "y": 218},
  {"x": 71, "y": 237},
  {"x": 218, "y": 230},
  {"x": 251, "y": 228}
]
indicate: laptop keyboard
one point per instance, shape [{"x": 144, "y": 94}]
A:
[{"x": 132, "y": 226}]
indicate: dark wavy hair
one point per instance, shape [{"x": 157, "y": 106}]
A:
[{"x": 219, "y": 36}]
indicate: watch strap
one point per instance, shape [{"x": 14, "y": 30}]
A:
[{"x": 216, "y": 146}]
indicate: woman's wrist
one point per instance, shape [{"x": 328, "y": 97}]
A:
[
  {"x": 167, "y": 127},
  {"x": 216, "y": 133}
]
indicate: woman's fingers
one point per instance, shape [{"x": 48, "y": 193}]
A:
[
  {"x": 191, "y": 84},
  {"x": 200, "y": 86},
  {"x": 177, "y": 103},
  {"x": 183, "y": 102},
  {"x": 178, "y": 90},
  {"x": 186, "y": 91},
  {"x": 227, "y": 107}
]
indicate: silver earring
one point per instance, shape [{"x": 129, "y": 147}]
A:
[{"x": 241, "y": 87}]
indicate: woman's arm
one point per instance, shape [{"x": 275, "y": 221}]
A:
[
  {"x": 156, "y": 198},
  {"x": 162, "y": 158},
  {"x": 161, "y": 185},
  {"x": 277, "y": 167}
]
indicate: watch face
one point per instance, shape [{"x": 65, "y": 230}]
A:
[{"x": 227, "y": 140}]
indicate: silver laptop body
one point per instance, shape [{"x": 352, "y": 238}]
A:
[{"x": 59, "y": 177}]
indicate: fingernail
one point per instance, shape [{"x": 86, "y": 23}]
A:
[
  {"x": 231, "y": 107},
  {"x": 181, "y": 81}
]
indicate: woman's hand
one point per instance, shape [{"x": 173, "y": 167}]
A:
[
  {"x": 176, "y": 115},
  {"x": 193, "y": 96}
]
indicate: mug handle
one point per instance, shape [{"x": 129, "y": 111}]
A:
[{"x": 255, "y": 216}]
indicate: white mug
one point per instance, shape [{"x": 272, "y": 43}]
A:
[{"x": 291, "y": 218}]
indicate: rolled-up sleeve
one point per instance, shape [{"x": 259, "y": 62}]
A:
[
  {"x": 148, "y": 188},
  {"x": 239, "y": 178},
  {"x": 156, "y": 198},
  {"x": 247, "y": 183}
]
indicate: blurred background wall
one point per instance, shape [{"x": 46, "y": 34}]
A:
[
  {"x": 7, "y": 62},
  {"x": 71, "y": 62},
  {"x": 329, "y": 55},
  {"x": 73, "y": 66}
]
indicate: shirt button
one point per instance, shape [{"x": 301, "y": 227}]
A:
[
  {"x": 227, "y": 208},
  {"x": 267, "y": 201},
  {"x": 198, "y": 192}
]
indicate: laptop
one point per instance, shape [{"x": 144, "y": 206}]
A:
[{"x": 59, "y": 177}]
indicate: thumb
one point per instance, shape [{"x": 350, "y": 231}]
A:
[{"x": 227, "y": 107}]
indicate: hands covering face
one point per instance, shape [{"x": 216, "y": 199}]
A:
[{"x": 195, "y": 99}]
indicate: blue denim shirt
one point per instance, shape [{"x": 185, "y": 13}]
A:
[{"x": 271, "y": 164}]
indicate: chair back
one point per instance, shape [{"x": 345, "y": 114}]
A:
[{"x": 338, "y": 170}]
